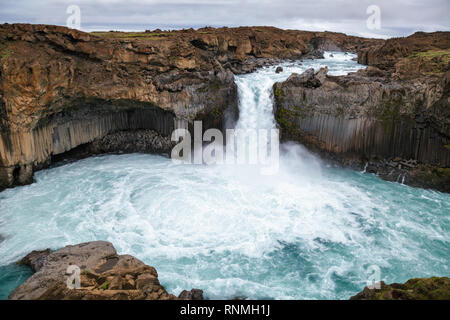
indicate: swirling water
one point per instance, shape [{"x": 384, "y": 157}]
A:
[{"x": 309, "y": 232}]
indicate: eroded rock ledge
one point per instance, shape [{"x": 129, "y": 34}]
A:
[
  {"x": 393, "y": 122},
  {"x": 104, "y": 275}
]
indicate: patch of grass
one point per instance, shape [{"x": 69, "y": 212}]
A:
[
  {"x": 5, "y": 52},
  {"x": 105, "y": 285},
  {"x": 447, "y": 146}
]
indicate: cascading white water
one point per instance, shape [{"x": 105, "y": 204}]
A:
[{"x": 310, "y": 231}]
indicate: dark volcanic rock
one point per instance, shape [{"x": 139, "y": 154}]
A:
[
  {"x": 314, "y": 54},
  {"x": 147, "y": 141},
  {"x": 103, "y": 275},
  {"x": 307, "y": 79},
  {"x": 386, "y": 54},
  {"x": 414, "y": 289},
  {"x": 279, "y": 69}
]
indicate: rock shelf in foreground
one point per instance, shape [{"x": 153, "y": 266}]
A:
[{"x": 103, "y": 275}]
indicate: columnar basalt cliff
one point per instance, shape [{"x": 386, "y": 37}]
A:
[
  {"x": 63, "y": 90},
  {"x": 103, "y": 275},
  {"x": 394, "y": 122}
]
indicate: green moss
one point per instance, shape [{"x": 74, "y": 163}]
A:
[
  {"x": 434, "y": 288},
  {"x": 431, "y": 54},
  {"x": 105, "y": 285},
  {"x": 340, "y": 110},
  {"x": 443, "y": 172},
  {"x": 5, "y": 52},
  {"x": 126, "y": 35},
  {"x": 277, "y": 91}
]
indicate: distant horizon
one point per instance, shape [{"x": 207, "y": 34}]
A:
[
  {"x": 395, "y": 18},
  {"x": 91, "y": 29}
]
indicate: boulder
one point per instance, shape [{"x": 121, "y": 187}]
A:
[
  {"x": 278, "y": 70},
  {"x": 61, "y": 89},
  {"x": 321, "y": 74}
]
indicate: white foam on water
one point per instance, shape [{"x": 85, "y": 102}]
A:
[{"x": 310, "y": 231}]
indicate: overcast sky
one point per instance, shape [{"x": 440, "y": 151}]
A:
[{"x": 397, "y": 17}]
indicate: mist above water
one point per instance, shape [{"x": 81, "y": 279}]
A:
[{"x": 308, "y": 232}]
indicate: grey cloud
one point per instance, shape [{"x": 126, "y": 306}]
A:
[{"x": 398, "y": 18}]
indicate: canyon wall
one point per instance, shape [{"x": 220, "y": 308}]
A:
[
  {"x": 393, "y": 122},
  {"x": 103, "y": 275}
]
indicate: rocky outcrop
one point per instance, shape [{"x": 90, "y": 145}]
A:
[
  {"x": 393, "y": 123},
  {"x": 62, "y": 89},
  {"x": 103, "y": 275},
  {"x": 387, "y": 54},
  {"x": 434, "y": 288}
]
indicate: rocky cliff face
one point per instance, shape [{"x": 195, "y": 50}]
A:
[
  {"x": 62, "y": 89},
  {"x": 104, "y": 275},
  {"x": 394, "y": 122}
]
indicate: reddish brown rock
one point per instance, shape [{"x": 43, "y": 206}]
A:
[
  {"x": 368, "y": 118},
  {"x": 62, "y": 88},
  {"x": 103, "y": 275}
]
